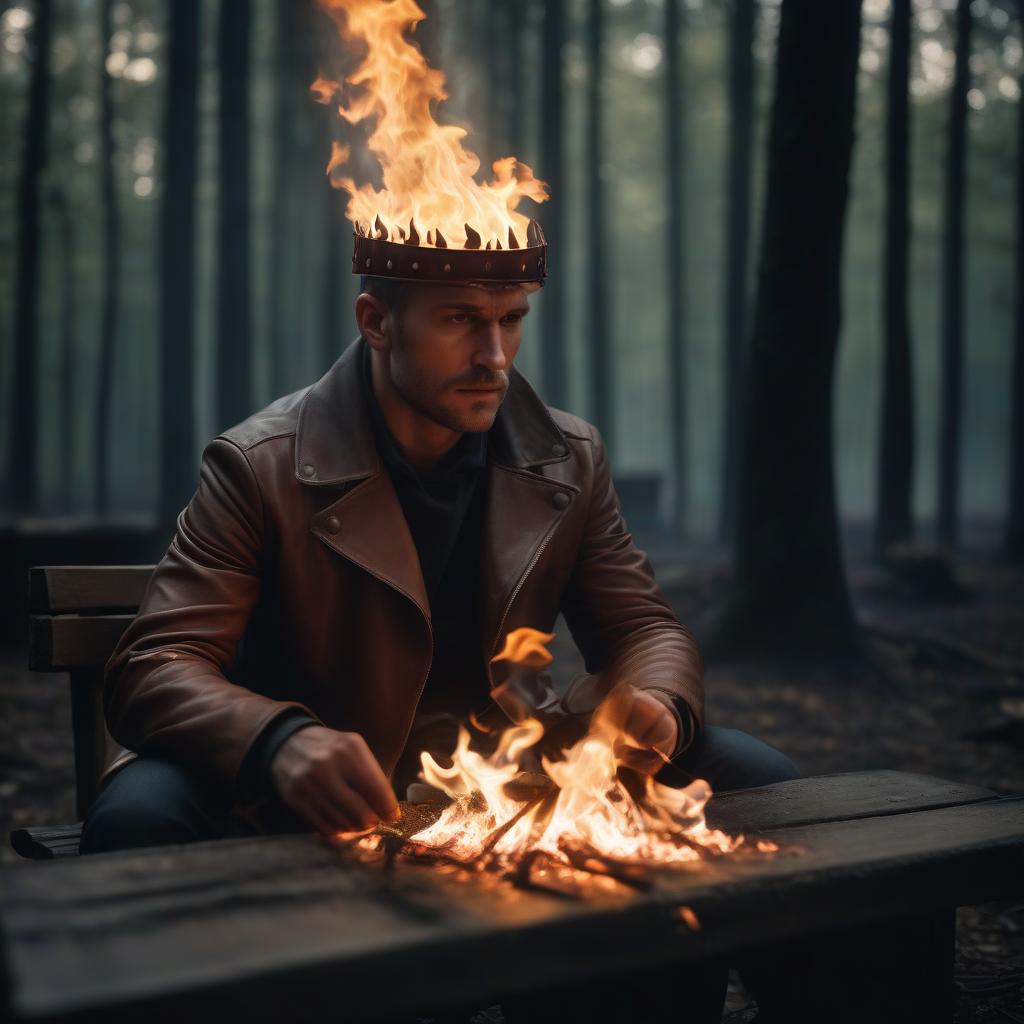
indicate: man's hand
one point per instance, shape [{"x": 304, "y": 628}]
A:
[
  {"x": 332, "y": 780},
  {"x": 642, "y": 727}
]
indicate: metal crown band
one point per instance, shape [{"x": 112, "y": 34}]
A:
[{"x": 378, "y": 257}]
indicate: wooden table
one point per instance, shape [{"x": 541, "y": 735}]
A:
[{"x": 282, "y": 928}]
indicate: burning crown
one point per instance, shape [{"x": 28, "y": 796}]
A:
[{"x": 431, "y": 221}]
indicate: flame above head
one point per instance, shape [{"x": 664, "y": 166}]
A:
[{"x": 430, "y": 196}]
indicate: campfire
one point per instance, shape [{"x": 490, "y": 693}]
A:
[{"x": 584, "y": 818}]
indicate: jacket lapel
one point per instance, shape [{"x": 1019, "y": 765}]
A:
[
  {"x": 524, "y": 507},
  {"x": 334, "y": 446}
]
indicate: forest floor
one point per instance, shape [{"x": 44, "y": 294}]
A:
[{"x": 949, "y": 701}]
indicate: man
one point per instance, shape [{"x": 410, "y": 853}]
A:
[{"x": 351, "y": 560}]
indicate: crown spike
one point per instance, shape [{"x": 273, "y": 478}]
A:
[
  {"x": 382, "y": 232},
  {"x": 414, "y": 235},
  {"x": 513, "y": 242},
  {"x": 439, "y": 239},
  {"x": 472, "y": 238}
]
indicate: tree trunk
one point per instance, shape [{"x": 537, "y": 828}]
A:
[
  {"x": 893, "y": 514},
  {"x": 177, "y": 238},
  {"x": 111, "y": 281},
  {"x": 550, "y": 170},
  {"x": 737, "y": 241},
  {"x": 1015, "y": 523},
  {"x": 950, "y": 403},
  {"x": 68, "y": 349},
  {"x": 791, "y": 599},
  {"x": 234, "y": 373},
  {"x": 516, "y": 16},
  {"x": 675, "y": 158},
  {"x": 598, "y": 333},
  {"x": 23, "y": 445}
]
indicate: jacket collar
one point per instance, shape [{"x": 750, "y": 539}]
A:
[{"x": 334, "y": 440}]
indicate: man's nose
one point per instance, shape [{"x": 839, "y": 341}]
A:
[{"x": 491, "y": 352}]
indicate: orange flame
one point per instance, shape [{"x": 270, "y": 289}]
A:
[
  {"x": 588, "y": 802},
  {"x": 526, "y": 647},
  {"x": 429, "y": 195}
]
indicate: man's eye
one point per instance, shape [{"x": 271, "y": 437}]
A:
[
  {"x": 512, "y": 318},
  {"x": 458, "y": 318}
]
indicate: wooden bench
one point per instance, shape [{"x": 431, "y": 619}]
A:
[
  {"x": 282, "y": 927},
  {"x": 77, "y": 615}
]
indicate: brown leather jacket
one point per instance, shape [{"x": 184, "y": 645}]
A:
[{"x": 292, "y": 581}]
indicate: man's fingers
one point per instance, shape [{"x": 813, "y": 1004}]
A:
[
  {"x": 364, "y": 775},
  {"x": 322, "y": 822},
  {"x": 345, "y": 804}
]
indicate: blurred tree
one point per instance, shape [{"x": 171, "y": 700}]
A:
[
  {"x": 68, "y": 353},
  {"x": 1014, "y": 541},
  {"x": 790, "y": 595},
  {"x": 553, "y": 366},
  {"x": 339, "y": 285},
  {"x": 951, "y": 397},
  {"x": 737, "y": 240},
  {"x": 177, "y": 261},
  {"x": 234, "y": 373},
  {"x": 110, "y": 287},
  {"x": 675, "y": 174},
  {"x": 23, "y": 444},
  {"x": 597, "y": 328},
  {"x": 518, "y": 15},
  {"x": 893, "y": 515}
]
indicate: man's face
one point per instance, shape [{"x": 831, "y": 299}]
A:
[{"x": 452, "y": 350}]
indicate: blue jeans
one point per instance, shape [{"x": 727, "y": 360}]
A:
[{"x": 153, "y": 802}]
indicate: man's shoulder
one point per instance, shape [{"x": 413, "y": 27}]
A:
[
  {"x": 574, "y": 427},
  {"x": 277, "y": 420}
]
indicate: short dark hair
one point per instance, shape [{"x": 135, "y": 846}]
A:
[{"x": 394, "y": 294}]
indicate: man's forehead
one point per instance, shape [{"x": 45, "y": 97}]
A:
[{"x": 478, "y": 296}]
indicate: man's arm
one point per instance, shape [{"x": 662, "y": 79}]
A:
[
  {"x": 620, "y": 620},
  {"x": 166, "y": 690}
]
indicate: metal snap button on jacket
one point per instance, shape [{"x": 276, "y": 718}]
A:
[
  {"x": 558, "y": 450},
  {"x": 308, "y": 470},
  {"x": 332, "y": 524},
  {"x": 560, "y": 499}
]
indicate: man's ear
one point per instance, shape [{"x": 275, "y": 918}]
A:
[{"x": 375, "y": 322}]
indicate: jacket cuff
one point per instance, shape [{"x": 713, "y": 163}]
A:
[
  {"x": 254, "y": 778},
  {"x": 684, "y": 717}
]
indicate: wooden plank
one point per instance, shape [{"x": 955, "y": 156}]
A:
[
  {"x": 59, "y": 643},
  {"x": 841, "y": 796},
  {"x": 78, "y": 588},
  {"x": 279, "y": 927}
]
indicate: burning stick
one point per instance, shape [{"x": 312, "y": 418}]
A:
[{"x": 584, "y": 857}]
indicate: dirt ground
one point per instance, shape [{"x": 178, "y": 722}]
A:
[{"x": 945, "y": 697}]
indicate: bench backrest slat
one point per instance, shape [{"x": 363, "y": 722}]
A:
[
  {"x": 66, "y": 643},
  {"x": 78, "y": 613},
  {"x": 58, "y": 589}
]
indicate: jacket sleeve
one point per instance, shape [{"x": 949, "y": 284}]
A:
[
  {"x": 166, "y": 691},
  {"x": 619, "y": 618}
]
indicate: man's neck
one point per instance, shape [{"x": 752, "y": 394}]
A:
[{"x": 422, "y": 441}]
